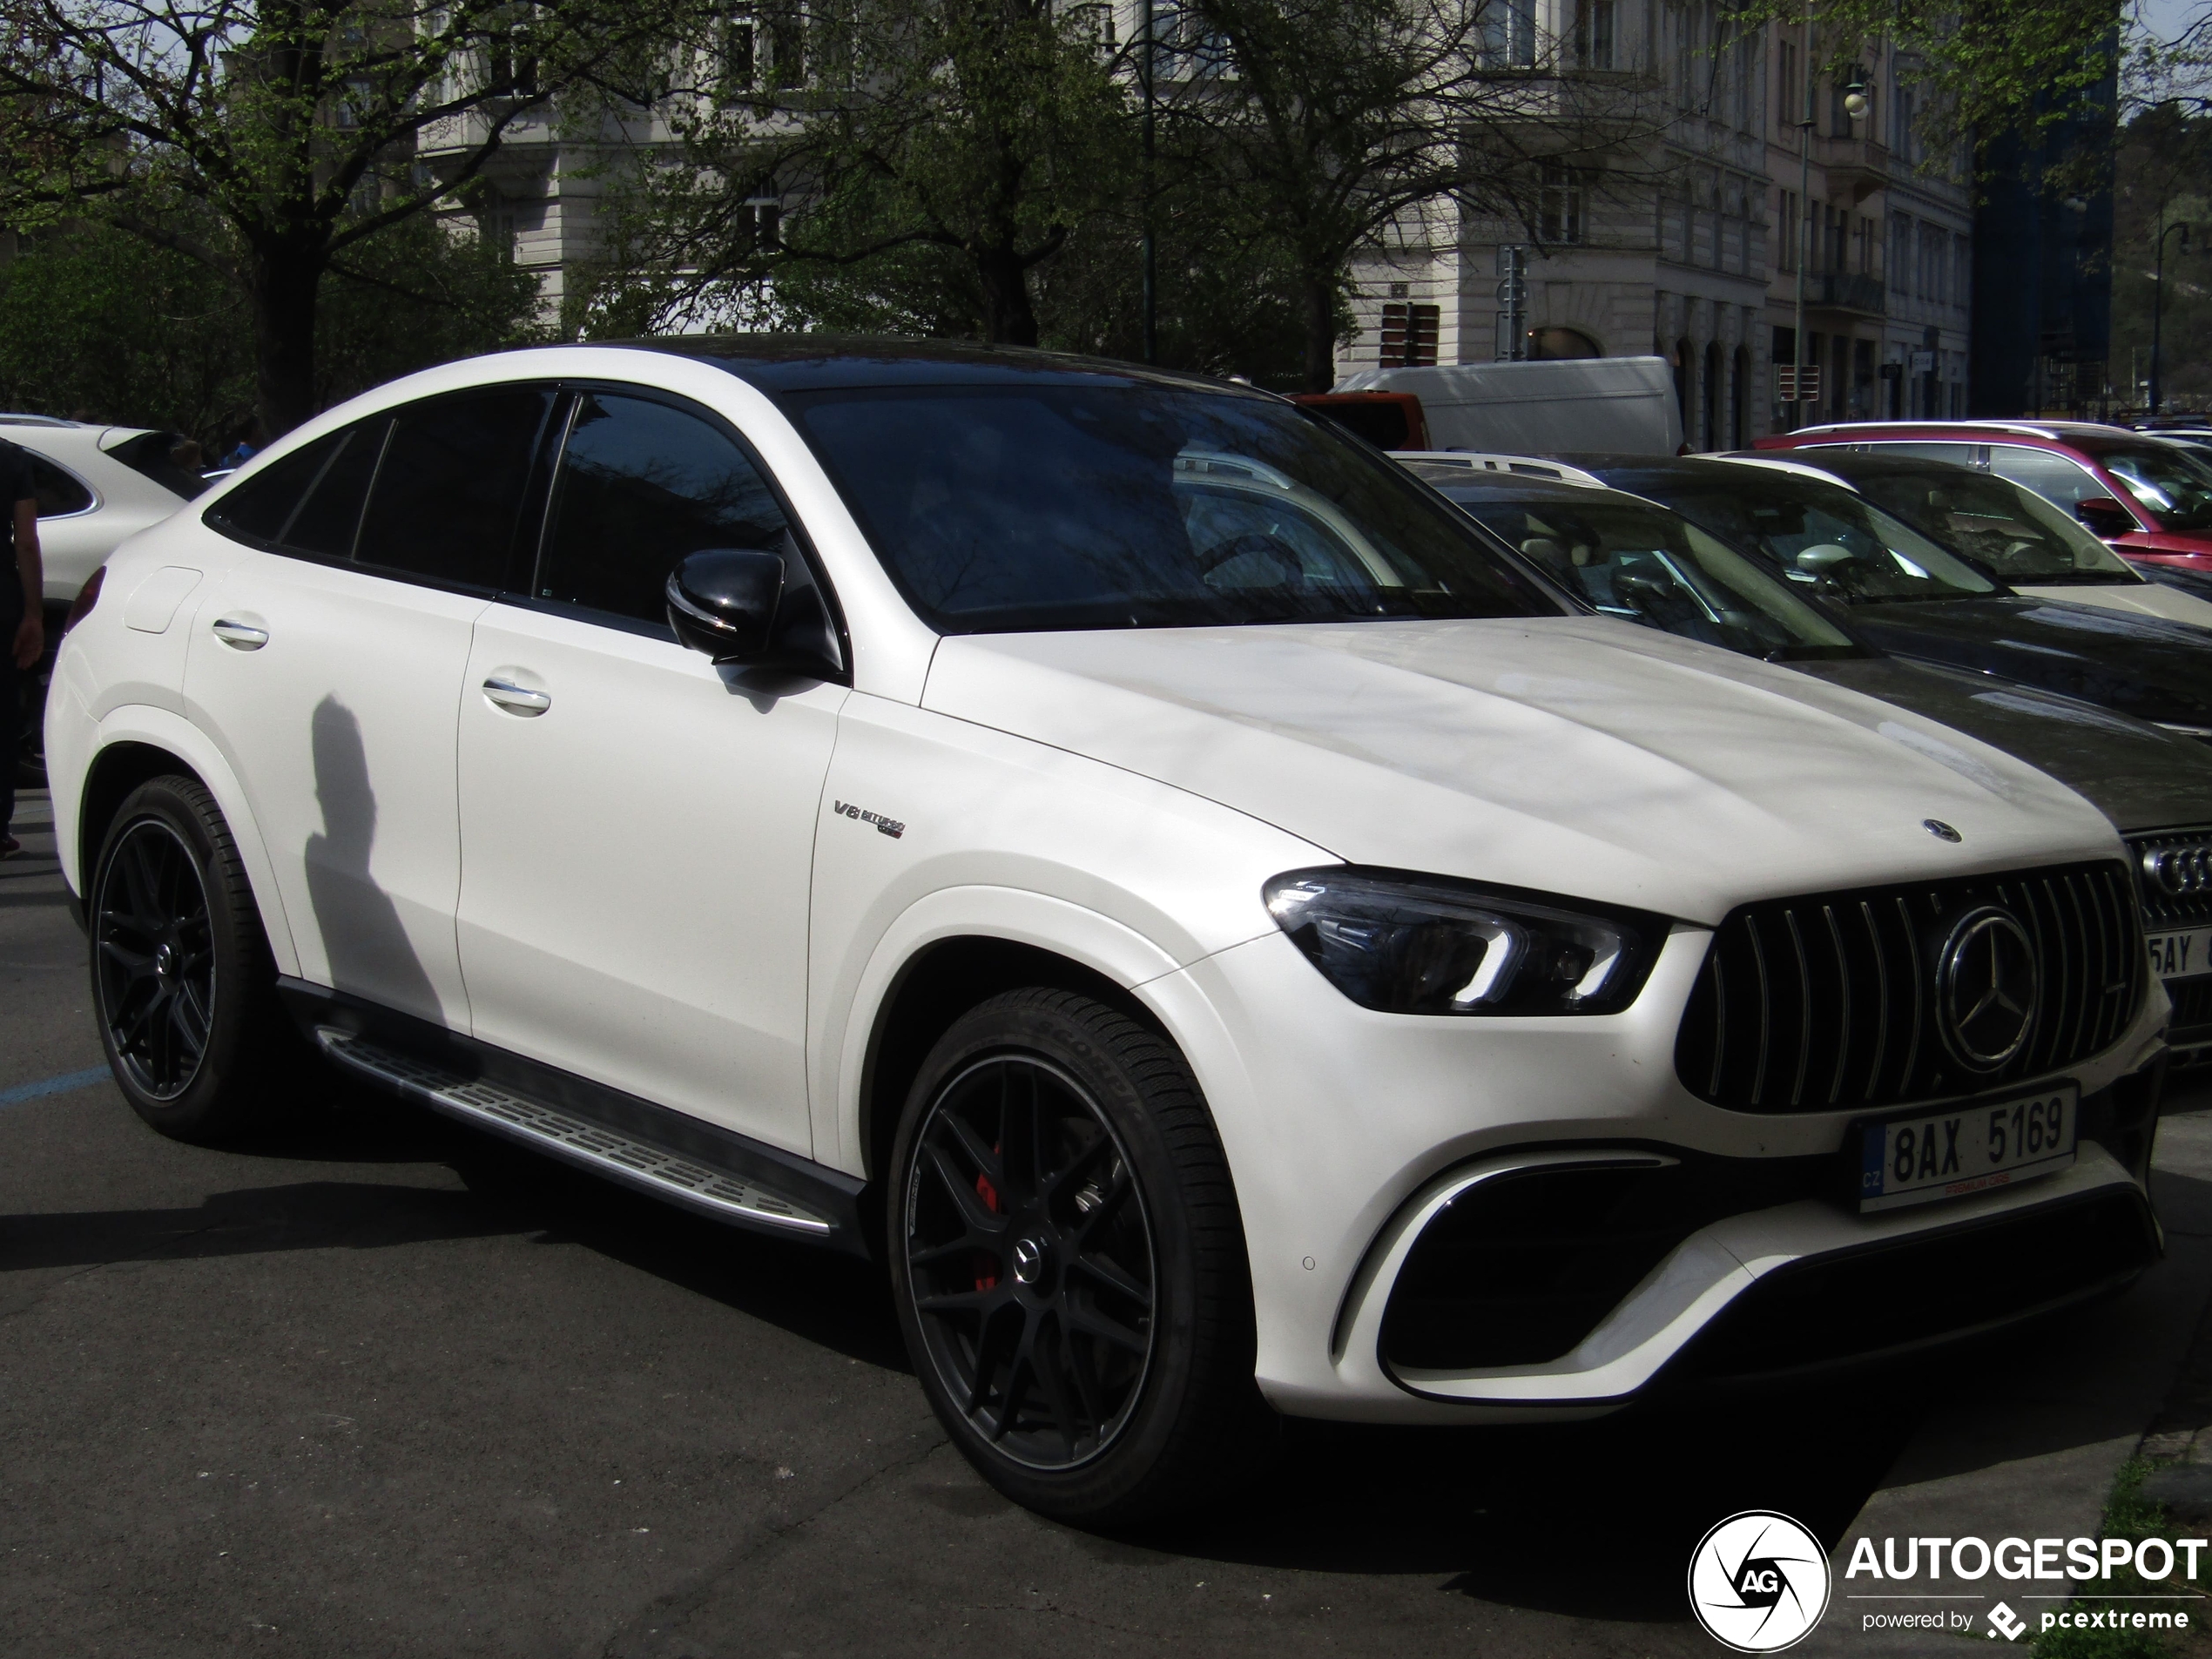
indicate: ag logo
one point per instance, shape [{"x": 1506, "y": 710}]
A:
[{"x": 1758, "y": 1581}]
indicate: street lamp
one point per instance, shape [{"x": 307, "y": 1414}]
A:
[
  {"x": 1856, "y": 103},
  {"x": 1150, "y": 273},
  {"x": 1804, "y": 234},
  {"x": 2158, "y": 303}
]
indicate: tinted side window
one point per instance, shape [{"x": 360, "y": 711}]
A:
[
  {"x": 328, "y": 517},
  {"x": 640, "y": 485},
  {"x": 58, "y": 492},
  {"x": 259, "y": 509},
  {"x": 1959, "y": 454},
  {"x": 450, "y": 490},
  {"x": 2052, "y": 476}
]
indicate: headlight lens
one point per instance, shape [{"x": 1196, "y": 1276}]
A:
[{"x": 1414, "y": 944}]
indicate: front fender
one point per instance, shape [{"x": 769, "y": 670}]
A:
[{"x": 1098, "y": 942}]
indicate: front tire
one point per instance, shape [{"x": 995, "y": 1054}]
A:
[
  {"x": 1069, "y": 1261},
  {"x": 183, "y": 983}
]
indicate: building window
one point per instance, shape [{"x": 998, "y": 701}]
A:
[
  {"x": 1553, "y": 343},
  {"x": 1789, "y": 95},
  {"x": 1409, "y": 334},
  {"x": 1560, "y": 221},
  {"x": 1509, "y": 34},
  {"x": 787, "y": 28},
  {"x": 1594, "y": 34},
  {"x": 766, "y": 214},
  {"x": 736, "y": 72},
  {"x": 1786, "y": 255}
]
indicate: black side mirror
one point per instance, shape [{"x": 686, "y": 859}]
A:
[
  {"x": 2103, "y": 516},
  {"x": 737, "y": 605}
]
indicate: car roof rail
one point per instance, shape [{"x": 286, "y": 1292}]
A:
[
  {"x": 1482, "y": 460},
  {"x": 2052, "y": 429}
]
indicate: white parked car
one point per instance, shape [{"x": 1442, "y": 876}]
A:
[
  {"x": 1226, "y": 931},
  {"x": 97, "y": 486}
]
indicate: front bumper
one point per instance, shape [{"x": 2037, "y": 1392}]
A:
[{"x": 1350, "y": 1132}]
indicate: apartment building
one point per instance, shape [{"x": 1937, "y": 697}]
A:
[{"x": 1688, "y": 245}]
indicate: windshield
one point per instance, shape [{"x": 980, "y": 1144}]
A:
[
  {"x": 1632, "y": 559},
  {"x": 1042, "y": 506},
  {"x": 168, "y": 459},
  {"x": 1821, "y": 536},
  {"x": 2173, "y": 485},
  {"x": 2013, "y": 533}
]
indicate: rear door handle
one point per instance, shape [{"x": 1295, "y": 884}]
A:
[
  {"x": 517, "y": 699},
  {"x": 240, "y": 635}
]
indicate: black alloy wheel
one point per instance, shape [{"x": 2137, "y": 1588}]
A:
[
  {"x": 184, "y": 987},
  {"x": 1068, "y": 1262},
  {"x": 1031, "y": 1259},
  {"x": 153, "y": 959}
]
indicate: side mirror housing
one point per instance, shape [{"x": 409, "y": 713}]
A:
[
  {"x": 740, "y": 606},
  {"x": 2103, "y": 516}
]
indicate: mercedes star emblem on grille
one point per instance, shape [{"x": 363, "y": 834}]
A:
[
  {"x": 1985, "y": 989},
  {"x": 1940, "y": 830}
]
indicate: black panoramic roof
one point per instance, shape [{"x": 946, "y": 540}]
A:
[{"x": 821, "y": 362}]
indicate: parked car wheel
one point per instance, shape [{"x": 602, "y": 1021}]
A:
[
  {"x": 1069, "y": 1261},
  {"x": 183, "y": 984}
]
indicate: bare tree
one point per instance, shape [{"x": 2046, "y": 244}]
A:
[
  {"x": 265, "y": 137},
  {"x": 1342, "y": 122},
  {"x": 962, "y": 139}
]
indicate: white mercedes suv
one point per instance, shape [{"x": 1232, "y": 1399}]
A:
[{"x": 1224, "y": 931}]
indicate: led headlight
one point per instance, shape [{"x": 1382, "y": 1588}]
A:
[{"x": 1416, "y": 944}]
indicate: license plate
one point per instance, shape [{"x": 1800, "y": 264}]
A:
[
  {"x": 2182, "y": 955},
  {"x": 1967, "y": 1148}
]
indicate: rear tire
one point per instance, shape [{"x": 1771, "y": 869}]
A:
[
  {"x": 184, "y": 988},
  {"x": 1069, "y": 1266}
]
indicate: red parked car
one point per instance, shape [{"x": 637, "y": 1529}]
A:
[{"x": 2150, "y": 499}]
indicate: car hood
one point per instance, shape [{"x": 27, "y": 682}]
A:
[
  {"x": 2145, "y": 598},
  {"x": 1572, "y": 754},
  {"x": 2138, "y": 776},
  {"x": 2146, "y": 666}
]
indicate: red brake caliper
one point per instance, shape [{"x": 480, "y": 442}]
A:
[{"x": 986, "y": 1265}]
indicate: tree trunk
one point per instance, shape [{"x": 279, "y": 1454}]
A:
[
  {"x": 1008, "y": 317},
  {"x": 1320, "y": 305},
  {"x": 284, "y": 283}
]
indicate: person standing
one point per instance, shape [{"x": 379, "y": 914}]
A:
[{"x": 23, "y": 621}]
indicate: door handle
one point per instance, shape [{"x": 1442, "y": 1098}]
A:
[
  {"x": 240, "y": 635},
  {"x": 517, "y": 699}
]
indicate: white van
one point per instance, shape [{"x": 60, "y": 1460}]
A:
[{"x": 1612, "y": 405}]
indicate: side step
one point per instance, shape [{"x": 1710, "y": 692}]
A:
[{"x": 605, "y": 1151}]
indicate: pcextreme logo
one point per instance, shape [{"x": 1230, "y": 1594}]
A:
[{"x": 1758, "y": 1581}]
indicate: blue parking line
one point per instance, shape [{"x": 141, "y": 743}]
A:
[{"x": 68, "y": 1082}]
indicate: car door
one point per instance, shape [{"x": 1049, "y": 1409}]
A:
[
  {"x": 638, "y": 824},
  {"x": 326, "y": 662}
]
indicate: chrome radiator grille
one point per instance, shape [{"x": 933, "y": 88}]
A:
[{"x": 1832, "y": 1002}]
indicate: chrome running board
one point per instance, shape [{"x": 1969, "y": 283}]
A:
[{"x": 635, "y": 1162}]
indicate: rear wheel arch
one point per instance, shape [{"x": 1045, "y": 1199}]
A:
[
  {"x": 148, "y": 745},
  {"x": 114, "y": 771}
]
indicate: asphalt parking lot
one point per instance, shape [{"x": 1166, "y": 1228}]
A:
[{"x": 372, "y": 1385}]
